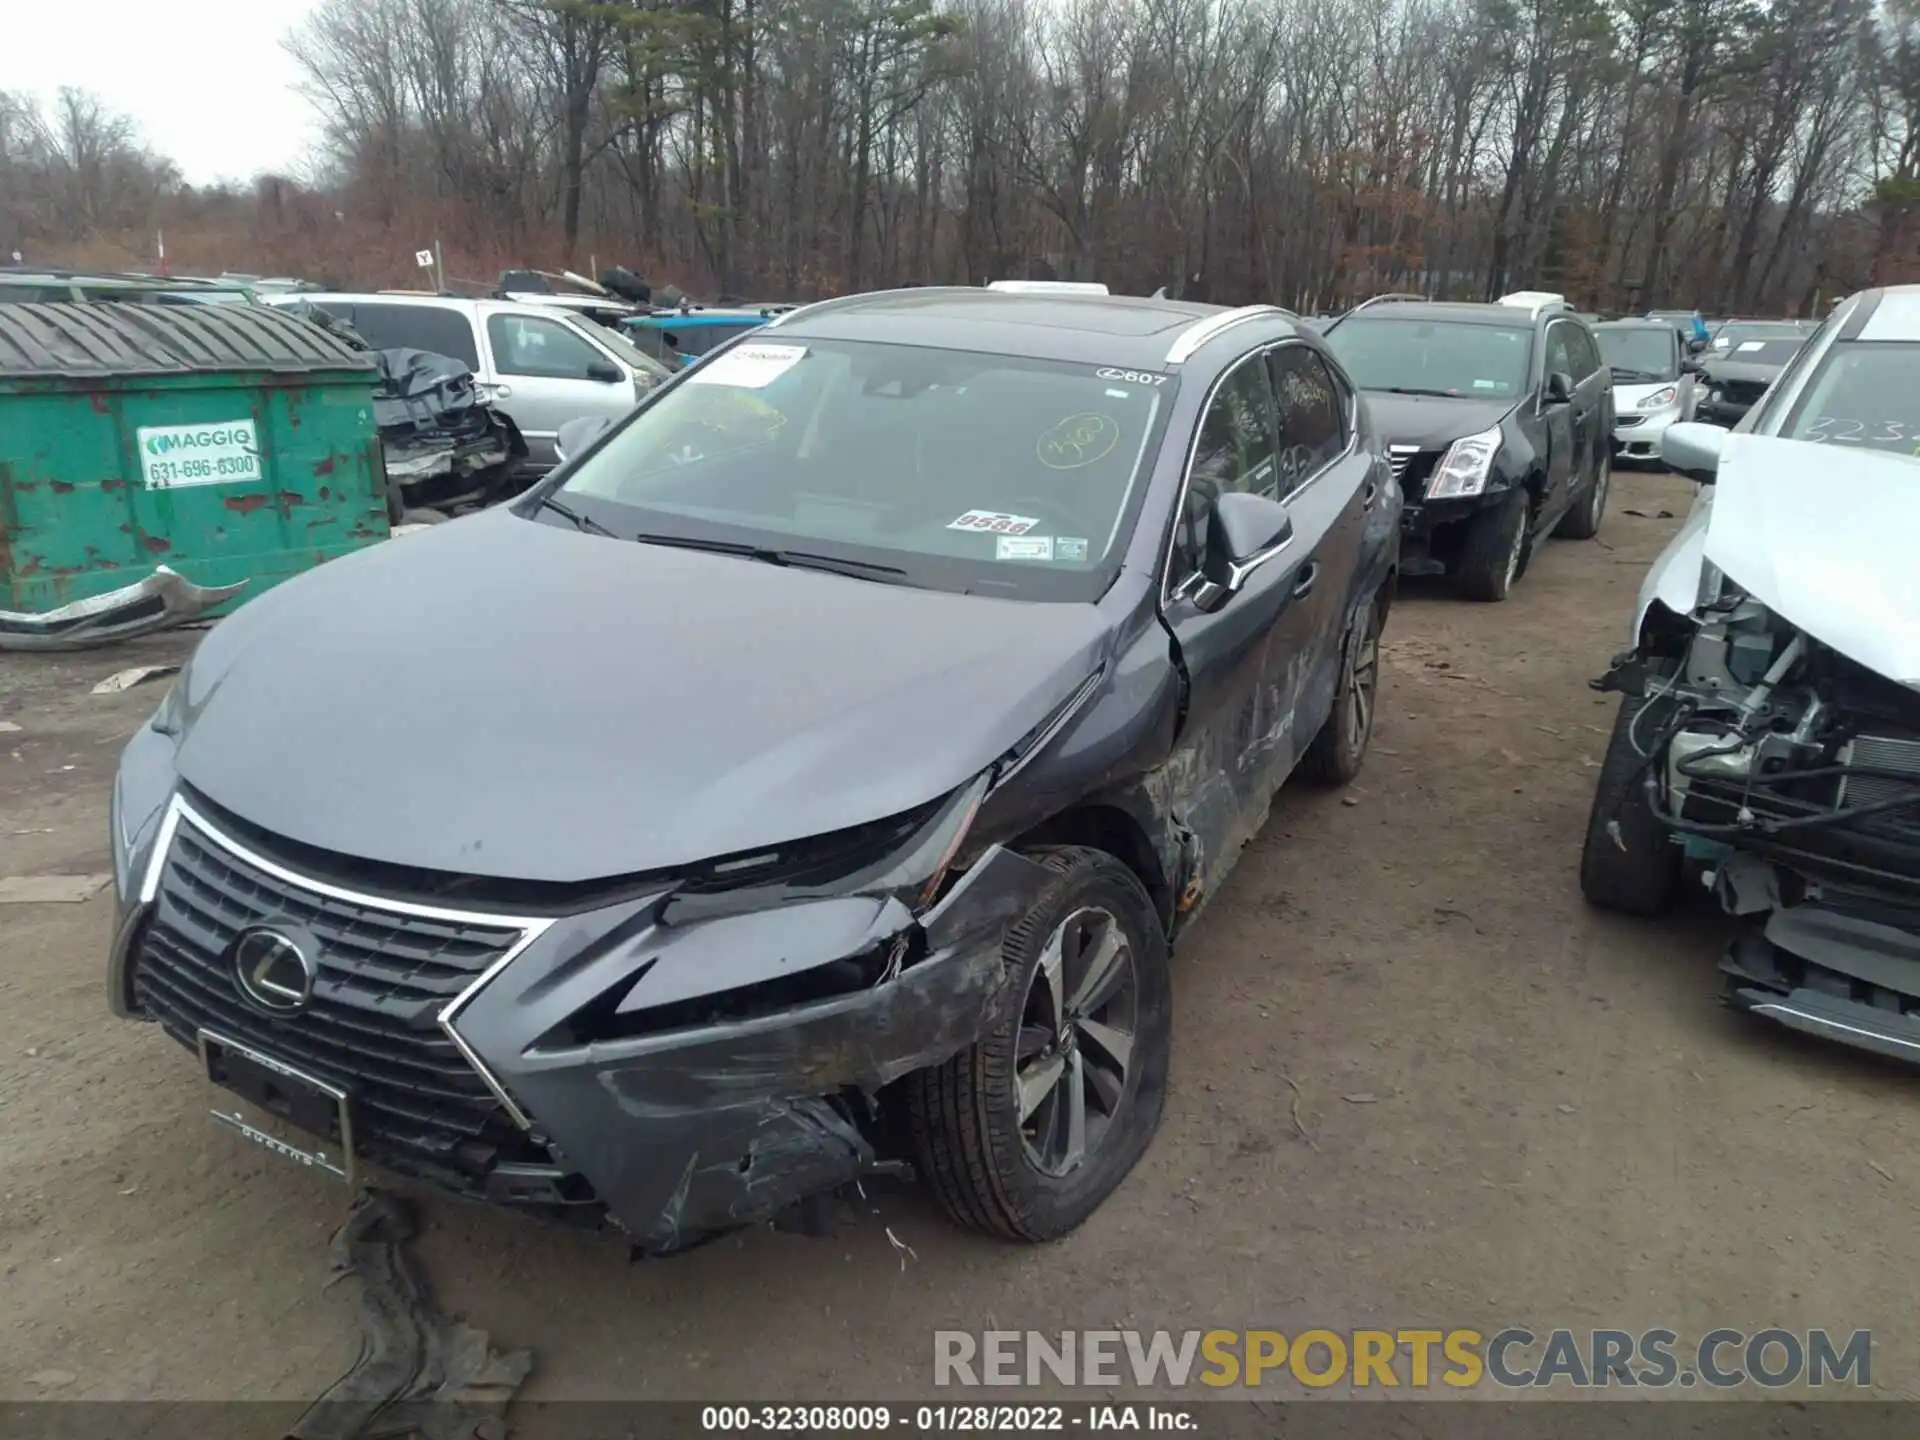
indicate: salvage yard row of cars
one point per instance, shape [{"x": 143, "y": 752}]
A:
[{"x": 973, "y": 632}]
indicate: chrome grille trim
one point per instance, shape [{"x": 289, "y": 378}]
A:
[
  {"x": 1399, "y": 456},
  {"x": 531, "y": 928}
]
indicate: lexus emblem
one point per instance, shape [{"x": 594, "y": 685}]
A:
[{"x": 275, "y": 969}]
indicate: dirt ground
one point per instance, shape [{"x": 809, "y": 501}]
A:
[{"x": 1510, "y": 1109}]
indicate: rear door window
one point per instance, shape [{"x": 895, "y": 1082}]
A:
[
  {"x": 413, "y": 327},
  {"x": 1312, "y": 422},
  {"x": 534, "y": 345}
]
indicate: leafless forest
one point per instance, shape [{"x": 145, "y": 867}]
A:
[{"x": 1739, "y": 155}]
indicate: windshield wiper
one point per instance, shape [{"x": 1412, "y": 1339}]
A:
[
  {"x": 1622, "y": 372},
  {"x": 1416, "y": 390},
  {"x": 580, "y": 522},
  {"x": 768, "y": 555}
]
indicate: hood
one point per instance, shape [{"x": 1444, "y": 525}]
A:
[
  {"x": 1432, "y": 422},
  {"x": 1719, "y": 371},
  {"x": 504, "y": 698},
  {"x": 1824, "y": 536}
]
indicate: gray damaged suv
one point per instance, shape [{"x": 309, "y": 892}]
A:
[{"x": 825, "y": 760}]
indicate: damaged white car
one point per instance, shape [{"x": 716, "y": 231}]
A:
[{"x": 1768, "y": 743}]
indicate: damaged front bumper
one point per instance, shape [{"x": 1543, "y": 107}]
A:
[
  {"x": 1842, "y": 977},
  {"x": 164, "y": 599},
  {"x": 580, "y": 1072}
]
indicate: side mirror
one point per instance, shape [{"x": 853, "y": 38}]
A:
[
  {"x": 1696, "y": 345},
  {"x": 1559, "y": 388},
  {"x": 1691, "y": 366},
  {"x": 578, "y": 433},
  {"x": 605, "y": 371},
  {"x": 1244, "y": 532},
  {"x": 1692, "y": 448}
]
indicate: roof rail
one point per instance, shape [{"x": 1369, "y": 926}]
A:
[
  {"x": 1201, "y": 331},
  {"x": 1048, "y": 287},
  {"x": 1390, "y": 298}
]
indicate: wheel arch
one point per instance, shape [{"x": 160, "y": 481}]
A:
[{"x": 1104, "y": 826}]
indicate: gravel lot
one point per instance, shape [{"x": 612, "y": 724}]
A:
[{"x": 1510, "y": 1109}]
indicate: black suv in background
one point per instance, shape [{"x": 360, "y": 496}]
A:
[
  {"x": 1499, "y": 421},
  {"x": 1733, "y": 379}
]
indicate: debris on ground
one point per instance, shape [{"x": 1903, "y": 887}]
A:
[
  {"x": 1362, "y": 1097},
  {"x": 7, "y": 727},
  {"x": 419, "y": 1373},
  {"x": 116, "y": 615},
  {"x": 50, "y": 889},
  {"x": 1649, "y": 515},
  {"x": 134, "y": 675}
]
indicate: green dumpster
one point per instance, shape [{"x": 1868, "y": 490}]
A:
[{"x": 226, "y": 443}]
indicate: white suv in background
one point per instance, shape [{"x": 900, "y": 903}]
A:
[{"x": 538, "y": 365}]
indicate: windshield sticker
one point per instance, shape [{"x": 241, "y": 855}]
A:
[
  {"x": 1486, "y": 384},
  {"x": 994, "y": 522},
  {"x": 750, "y": 367},
  {"x": 1023, "y": 547},
  {"x": 1070, "y": 547},
  {"x": 1078, "y": 440},
  {"x": 1751, "y": 345},
  {"x": 1132, "y": 377}
]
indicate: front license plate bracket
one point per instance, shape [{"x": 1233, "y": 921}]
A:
[{"x": 322, "y": 1111}]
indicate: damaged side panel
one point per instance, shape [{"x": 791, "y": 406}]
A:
[
  {"x": 162, "y": 600},
  {"x": 690, "y": 1130}
]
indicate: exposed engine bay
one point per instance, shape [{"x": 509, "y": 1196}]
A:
[{"x": 1787, "y": 776}]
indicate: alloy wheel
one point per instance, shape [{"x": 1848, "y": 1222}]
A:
[
  {"x": 1597, "y": 502},
  {"x": 1518, "y": 549},
  {"x": 1075, "y": 1048},
  {"x": 1363, "y": 683}
]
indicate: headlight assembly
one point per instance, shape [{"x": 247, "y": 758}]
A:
[
  {"x": 1466, "y": 467},
  {"x": 1659, "y": 399}
]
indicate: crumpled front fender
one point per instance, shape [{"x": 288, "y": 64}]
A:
[
  {"x": 692, "y": 1131},
  {"x": 165, "y": 598}
]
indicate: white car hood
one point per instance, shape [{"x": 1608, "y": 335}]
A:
[{"x": 1827, "y": 538}]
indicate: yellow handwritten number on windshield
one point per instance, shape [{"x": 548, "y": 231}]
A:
[{"x": 1078, "y": 440}]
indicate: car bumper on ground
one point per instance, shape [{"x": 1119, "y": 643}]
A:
[
  {"x": 458, "y": 1039},
  {"x": 1636, "y": 436},
  {"x": 1431, "y": 530}
]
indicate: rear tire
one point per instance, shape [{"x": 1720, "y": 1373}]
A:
[
  {"x": 1582, "y": 522},
  {"x": 1027, "y": 1132},
  {"x": 1639, "y": 873},
  {"x": 1340, "y": 749},
  {"x": 1495, "y": 551}
]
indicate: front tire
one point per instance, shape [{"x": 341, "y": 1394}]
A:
[
  {"x": 1027, "y": 1132},
  {"x": 1639, "y": 872},
  {"x": 1583, "y": 521},
  {"x": 1495, "y": 551}
]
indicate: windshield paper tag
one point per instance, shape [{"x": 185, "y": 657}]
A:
[
  {"x": 1023, "y": 547},
  {"x": 751, "y": 367},
  {"x": 1751, "y": 345},
  {"x": 994, "y": 522}
]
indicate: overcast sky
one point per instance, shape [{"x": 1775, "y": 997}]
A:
[{"x": 205, "y": 80}]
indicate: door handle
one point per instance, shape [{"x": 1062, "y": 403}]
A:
[
  {"x": 1303, "y": 584},
  {"x": 502, "y": 392}
]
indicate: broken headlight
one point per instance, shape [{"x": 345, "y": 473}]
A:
[{"x": 1466, "y": 467}]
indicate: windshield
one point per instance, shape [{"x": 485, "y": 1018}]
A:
[
  {"x": 1775, "y": 353},
  {"x": 1736, "y": 332},
  {"x": 1434, "y": 357},
  {"x": 620, "y": 345},
  {"x": 1640, "y": 353},
  {"x": 982, "y": 473},
  {"x": 1863, "y": 394}
]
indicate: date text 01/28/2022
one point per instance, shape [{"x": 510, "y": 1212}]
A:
[{"x": 935, "y": 1419}]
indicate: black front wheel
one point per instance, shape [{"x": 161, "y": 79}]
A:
[
  {"x": 1629, "y": 862},
  {"x": 1027, "y": 1132}
]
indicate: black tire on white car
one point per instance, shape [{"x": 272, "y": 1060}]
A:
[
  {"x": 1025, "y": 1134},
  {"x": 1629, "y": 862}
]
